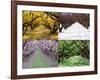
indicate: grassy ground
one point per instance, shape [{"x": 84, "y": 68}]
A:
[
  {"x": 39, "y": 33},
  {"x": 75, "y": 61},
  {"x": 39, "y": 61}
]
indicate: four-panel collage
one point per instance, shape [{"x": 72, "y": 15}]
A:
[{"x": 55, "y": 39}]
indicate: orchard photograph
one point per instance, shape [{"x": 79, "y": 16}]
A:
[
  {"x": 74, "y": 26},
  {"x": 73, "y": 53},
  {"x": 50, "y": 53},
  {"x": 39, "y": 25},
  {"x": 40, "y": 54},
  {"x": 55, "y": 39}
]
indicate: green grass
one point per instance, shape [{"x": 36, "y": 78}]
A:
[
  {"x": 39, "y": 62},
  {"x": 75, "y": 61}
]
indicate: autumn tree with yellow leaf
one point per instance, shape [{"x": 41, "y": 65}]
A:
[{"x": 34, "y": 19}]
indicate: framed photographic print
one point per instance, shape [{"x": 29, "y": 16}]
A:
[{"x": 53, "y": 39}]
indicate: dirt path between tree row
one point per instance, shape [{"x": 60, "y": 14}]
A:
[{"x": 38, "y": 60}]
